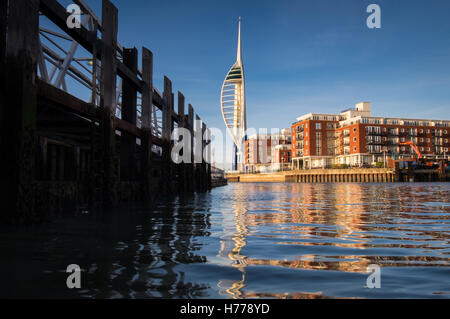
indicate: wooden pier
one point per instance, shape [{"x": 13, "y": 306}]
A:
[{"x": 58, "y": 149}]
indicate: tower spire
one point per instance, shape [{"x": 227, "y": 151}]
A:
[{"x": 239, "y": 51}]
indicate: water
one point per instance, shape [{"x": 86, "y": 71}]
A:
[{"x": 275, "y": 240}]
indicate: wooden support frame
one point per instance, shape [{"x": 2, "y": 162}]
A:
[
  {"x": 166, "y": 133},
  {"x": 18, "y": 111},
  {"x": 191, "y": 167},
  {"x": 93, "y": 163},
  {"x": 182, "y": 182},
  {"x": 129, "y": 114},
  {"x": 108, "y": 101},
  {"x": 146, "y": 119}
]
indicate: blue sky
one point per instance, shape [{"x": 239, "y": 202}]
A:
[{"x": 299, "y": 56}]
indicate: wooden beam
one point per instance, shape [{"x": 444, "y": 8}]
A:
[
  {"x": 60, "y": 98},
  {"x": 146, "y": 120},
  {"x": 129, "y": 114},
  {"x": 3, "y": 20},
  {"x": 58, "y": 15},
  {"x": 182, "y": 182},
  {"x": 18, "y": 111},
  {"x": 147, "y": 88},
  {"x": 108, "y": 101},
  {"x": 190, "y": 166},
  {"x": 125, "y": 73},
  {"x": 108, "y": 57},
  {"x": 166, "y": 133},
  {"x": 129, "y": 94}
]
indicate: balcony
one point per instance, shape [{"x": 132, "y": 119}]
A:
[
  {"x": 373, "y": 132},
  {"x": 393, "y": 133}
]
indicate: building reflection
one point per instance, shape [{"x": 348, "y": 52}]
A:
[{"x": 342, "y": 215}]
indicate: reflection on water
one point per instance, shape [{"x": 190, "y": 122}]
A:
[{"x": 276, "y": 240}]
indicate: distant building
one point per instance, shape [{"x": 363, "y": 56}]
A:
[
  {"x": 356, "y": 138},
  {"x": 281, "y": 157},
  {"x": 262, "y": 151}
]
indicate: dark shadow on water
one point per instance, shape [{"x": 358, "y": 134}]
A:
[{"x": 128, "y": 252}]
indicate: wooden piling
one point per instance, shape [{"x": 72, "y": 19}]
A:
[
  {"x": 3, "y": 21},
  {"x": 146, "y": 120},
  {"x": 190, "y": 166},
  {"x": 204, "y": 172},
  {"x": 18, "y": 109},
  {"x": 182, "y": 182},
  {"x": 208, "y": 160},
  {"x": 129, "y": 114},
  {"x": 166, "y": 134},
  {"x": 108, "y": 101}
]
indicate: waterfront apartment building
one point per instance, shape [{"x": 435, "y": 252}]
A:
[
  {"x": 268, "y": 152},
  {"x": 282, "y": 157},
  {"x": 355, "y": 138}
]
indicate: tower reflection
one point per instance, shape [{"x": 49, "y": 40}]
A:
[{"x": 325, "y": 227}]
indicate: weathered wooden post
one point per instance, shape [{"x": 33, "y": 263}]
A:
[
  {"x": 190, "y": 166},
  {"x": 129, "y": 114},
  {"x": 204, "y": 175},
  {"x": 182, "y": 125},
  {"x": 208, "y": 164},
  {"x": 108, "y": 100},
  {"x": 3, "y": 20},
  {"x": 18, "y": 100},
  {"x": 146, "y": 118},
  {"x": 166, "y": 133},
  {"x": 198, "y": 156}
]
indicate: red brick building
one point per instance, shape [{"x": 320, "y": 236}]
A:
[
  {"x": 261, "y": 151},
  {"x": 354, "y": 137}
]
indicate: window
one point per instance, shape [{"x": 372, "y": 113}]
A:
[
  {"x": 384, "y": 129},
  {"x": 428, "y": 140},
  {"x": 446, "y": 140},
  {"x": 402, "y": 139},
  {"x": 318, "y": 126},
  {"x": 421, "y": 149},
  {"x": 428, "y": 131},
  {"x": 354, "y": 129},
  {"x": 428, "y": 149},
  {"x": 306, "y": 125},
  {"x": 354, "y": 139},
  {"x": 421, "y": 140},
  {"x": 403, "y": 148},
  {"x": 445, "y": 149},
  {"x": 420, "y": 131},
  {"x": 445, "y": 131},
  {"x": 318, "y": 143},
  {"x": 354, "y": 148},
  {"x": 402, "y": 130}
]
